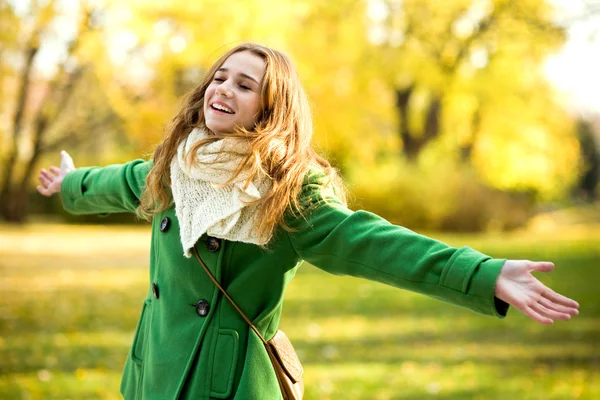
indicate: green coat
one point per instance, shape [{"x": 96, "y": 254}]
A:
[{"x": 178, "y": 352}]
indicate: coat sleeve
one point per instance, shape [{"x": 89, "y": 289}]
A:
[
  {"x": 362, "y": 244},
  {"x": 111, "y": 189}
]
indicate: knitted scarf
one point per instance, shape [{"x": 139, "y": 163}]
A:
[{"x": 204, "y": 204}]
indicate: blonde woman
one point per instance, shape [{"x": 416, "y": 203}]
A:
[{"x": 236, "y": 179}]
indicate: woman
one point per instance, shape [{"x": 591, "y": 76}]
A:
[{"x": 236, "y": 179}]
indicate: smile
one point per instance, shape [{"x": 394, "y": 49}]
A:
[{"x": 221, "y": 107}]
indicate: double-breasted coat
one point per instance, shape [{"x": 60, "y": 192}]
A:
[{"x": 190, "y": 343}]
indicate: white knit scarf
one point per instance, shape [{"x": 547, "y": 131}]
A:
[{"x": 203, "y": 204}]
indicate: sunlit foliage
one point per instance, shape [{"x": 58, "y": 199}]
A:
[{"x": 392, "y": 82}]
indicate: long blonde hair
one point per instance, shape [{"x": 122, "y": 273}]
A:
[{"x": 279, "y": 142}]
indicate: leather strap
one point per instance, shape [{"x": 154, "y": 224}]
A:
[{"x": 210, "y": 275}]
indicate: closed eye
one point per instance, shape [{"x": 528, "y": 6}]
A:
[{"x": 245, "y": 87}]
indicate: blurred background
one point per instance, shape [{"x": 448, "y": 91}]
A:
[{"x": 475, "y": 121}]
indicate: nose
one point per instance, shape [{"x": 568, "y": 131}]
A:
[{"x": 223, "y": 89}]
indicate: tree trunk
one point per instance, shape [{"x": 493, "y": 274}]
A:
[
  {"x": 588, "y": 181},
  {"x": 403, "y": 103},
  {"x": 466, "y": 149},
  {"x": 413, "y": 144},
  {"x": 432, "y": 121},
  {"x": 15, "y": 204},
  {"x": 9, "y": 200}
]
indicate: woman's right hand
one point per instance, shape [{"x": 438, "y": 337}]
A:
[{"x": 51, "y": 181}]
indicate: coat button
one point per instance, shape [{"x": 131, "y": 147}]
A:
[
  {"x": 213, "y": 244},
  {"x": 155, "y": 290},
  {"x": 164, "y": 224},
  {"x": 202, "y": 308}
]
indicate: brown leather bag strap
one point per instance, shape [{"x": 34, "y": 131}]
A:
[{"x": 210, "y": 275}]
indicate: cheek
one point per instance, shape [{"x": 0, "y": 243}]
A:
[
  {"x": 255, "y": 105},
  {"x": 207, "y": 95}
]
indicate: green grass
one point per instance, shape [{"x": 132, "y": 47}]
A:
[{"x": 70, "y": 297}]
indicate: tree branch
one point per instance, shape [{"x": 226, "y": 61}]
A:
[
  {"x": 75, "y": 137},
  {"x": 65, "y": 91},
  {"x": 484, "y": 26}
]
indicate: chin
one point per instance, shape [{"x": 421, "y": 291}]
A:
[{"x": 218, "y": 128}]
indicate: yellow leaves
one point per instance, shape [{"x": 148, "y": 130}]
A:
[
  {"x": 10, "y": 31},
  {"x": 527, "y": 156},
  {"x": 481, "y": 57},
  {"x": 92, "y": 49},
  {"x": 350, "y": 81},
  {"x": 81, "y": 374},
  {"x": 146, "y": 124},
  {"x": 46, "y": 13}
]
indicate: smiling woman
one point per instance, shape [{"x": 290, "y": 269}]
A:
[
  {"x": 237, "y": 184},
  {"x": 233, "y": 97}
]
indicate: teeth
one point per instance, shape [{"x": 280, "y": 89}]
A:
[{"x": 223, "y": 108}]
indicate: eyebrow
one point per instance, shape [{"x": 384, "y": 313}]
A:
[{"x": 241, "y": 73}]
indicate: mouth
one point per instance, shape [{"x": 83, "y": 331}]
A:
[{"x": 221, "y": 108}]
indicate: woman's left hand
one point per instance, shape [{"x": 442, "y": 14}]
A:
[{"x": 519, "y": 288}]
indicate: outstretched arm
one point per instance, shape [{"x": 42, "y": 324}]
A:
[
  {"x": 362, "y": 244},
  {"x": 519, "y": 288},
  {"x": 96, "y": 190}
]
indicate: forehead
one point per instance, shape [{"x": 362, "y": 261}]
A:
[{"x": 247, "y": 63}]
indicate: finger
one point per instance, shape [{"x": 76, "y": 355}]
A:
[
  {"x": 540, "y": 309},
  {"x": 47, "y": 174},
  {"x": 536, "y": 316},
  {"x": 66, "y": 162},
  {"x": 540, "y": 266},
  {"x": 559, "y": 298},
  {"x": 55, "y": 170},
  {"x": 44, "y": 180},
  {"x": 557, "y": 307},
  {"x": 44, "y": 191}
]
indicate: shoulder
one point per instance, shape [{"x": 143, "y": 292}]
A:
[
  {"x": 315, "y": 176},
  {"x": 144, "y": 166},
  {"x": 317, "y": 187}
]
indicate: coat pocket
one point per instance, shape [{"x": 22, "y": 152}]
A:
[
  {"x": 224, "y": 363},
  {"x": 141, "y": 334}
]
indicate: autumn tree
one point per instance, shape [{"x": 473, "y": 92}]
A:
[
  {"x": 50, "y": 103},
  {"x": 388, "y": 79},
  {"x": 431, "y": 52},
  {"x": 464, "y": 79}
]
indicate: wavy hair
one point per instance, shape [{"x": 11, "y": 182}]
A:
[{"x": 280, "y": 143}]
